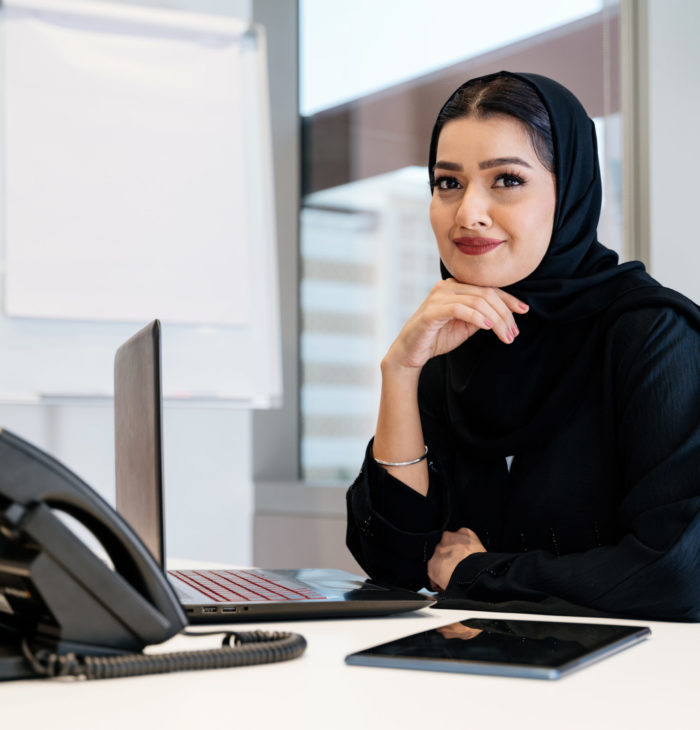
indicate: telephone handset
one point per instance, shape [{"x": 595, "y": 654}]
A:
[{"x": 54, "y": 590}]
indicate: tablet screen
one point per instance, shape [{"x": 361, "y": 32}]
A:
[{"x": 541, "y": 649}]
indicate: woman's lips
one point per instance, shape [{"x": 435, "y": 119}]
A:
[{"x": 477, "y": 246}]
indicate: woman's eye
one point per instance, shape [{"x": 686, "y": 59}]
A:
[
  {"x": 447, "y": 183},
  {"x": 508, "y": 181}
]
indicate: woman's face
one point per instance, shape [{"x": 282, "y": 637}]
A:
[{"x": 493, "y": 204}]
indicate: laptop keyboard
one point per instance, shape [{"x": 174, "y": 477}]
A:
[{"x": 241, "y": 586}]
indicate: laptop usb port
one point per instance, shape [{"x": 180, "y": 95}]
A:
[
  {"x": 228, "y": 609},
  {"x": 210, "y": 610}
]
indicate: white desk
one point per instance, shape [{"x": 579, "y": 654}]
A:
[{"x": 651, "y": 685}]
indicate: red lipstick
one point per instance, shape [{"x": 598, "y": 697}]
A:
[{"x": 476, "y": 246}]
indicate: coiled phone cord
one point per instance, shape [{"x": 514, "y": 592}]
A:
[{"x": 249, "y": 647}]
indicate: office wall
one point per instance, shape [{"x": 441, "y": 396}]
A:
[
  {"x": 674, "y": 142},
  {"x": 209, "y": 491}
]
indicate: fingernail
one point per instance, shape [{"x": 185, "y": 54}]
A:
[
  {"x": 523, "y": 306},
  {"x": 509, "y": 336},
  {"x": 515, "y": 331},
  {"x": 488, "y": 323}
]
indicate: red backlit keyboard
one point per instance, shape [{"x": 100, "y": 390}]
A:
[{"x": 240, "y": 586}]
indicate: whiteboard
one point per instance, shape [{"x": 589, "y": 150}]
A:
[{"x": 137, "y": 183}]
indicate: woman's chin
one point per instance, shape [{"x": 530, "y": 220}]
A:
[
  {"x": 482, "y": 277},
  {"x": 497, "y": 274}
]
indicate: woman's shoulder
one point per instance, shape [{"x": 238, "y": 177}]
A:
[
  {"x": 652, "y": 331},
  {"x": 657, "y": 317},
  {"x": 646, "y": 304}
]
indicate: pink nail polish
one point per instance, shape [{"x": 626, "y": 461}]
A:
[
  {"x": 515, "y": 331},
  {"x": 488, "y": 323}
]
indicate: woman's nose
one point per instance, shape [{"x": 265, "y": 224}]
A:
[{"x": 473, "y": 211}]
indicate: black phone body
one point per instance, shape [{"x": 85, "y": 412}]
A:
[
  {"x": 56, "y": 592},
  {"x": 511, "y": 648}
]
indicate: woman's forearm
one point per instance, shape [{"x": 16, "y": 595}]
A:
[{"x": 399, "y": 435}]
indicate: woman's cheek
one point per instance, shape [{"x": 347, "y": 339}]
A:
[{"x": 437, "y": 215}]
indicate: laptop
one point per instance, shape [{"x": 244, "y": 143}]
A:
[{"x": 211, "y": 596}]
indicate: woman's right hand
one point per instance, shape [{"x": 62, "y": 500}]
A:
[{"x": 449, "y": 316}]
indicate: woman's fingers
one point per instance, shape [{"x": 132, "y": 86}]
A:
[
  {"x": 496, "y": 306},
  {"x": 496, "y": 316},
  {"x": 449, "y": 552},
  {"x": 494, "y": 295},
  {"x": 513, "y": 303},
  {"x": 478, "y": 311},
  {"x": 462, "y": 537}
]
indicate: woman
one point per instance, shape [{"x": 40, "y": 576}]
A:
[{"x": 538, "y": 434}]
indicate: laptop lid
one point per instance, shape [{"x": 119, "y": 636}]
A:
[{"x": 138, "y": 415}]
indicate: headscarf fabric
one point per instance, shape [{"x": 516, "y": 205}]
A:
[{"x": 502, "y": 399}]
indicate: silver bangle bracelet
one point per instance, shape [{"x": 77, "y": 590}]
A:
[{"x": 401, "y": 463}]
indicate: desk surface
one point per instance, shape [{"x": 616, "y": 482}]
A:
[{"x": 651, "y": 685}]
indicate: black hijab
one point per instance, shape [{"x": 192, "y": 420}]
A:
[{"x": 502, "y": 399}]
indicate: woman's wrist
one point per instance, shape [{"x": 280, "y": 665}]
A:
[{"x": 395, "y": 370}]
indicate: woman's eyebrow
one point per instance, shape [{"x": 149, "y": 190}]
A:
[
  {"x": 485, "y": 165},
  {"x": 444, "y": 165},
  {"x": 499, "y": 161}
]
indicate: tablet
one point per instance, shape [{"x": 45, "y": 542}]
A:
[{"x": 510, "y": 648}]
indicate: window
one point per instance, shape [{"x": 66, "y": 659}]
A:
[{"x": 367, "y": 252}]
